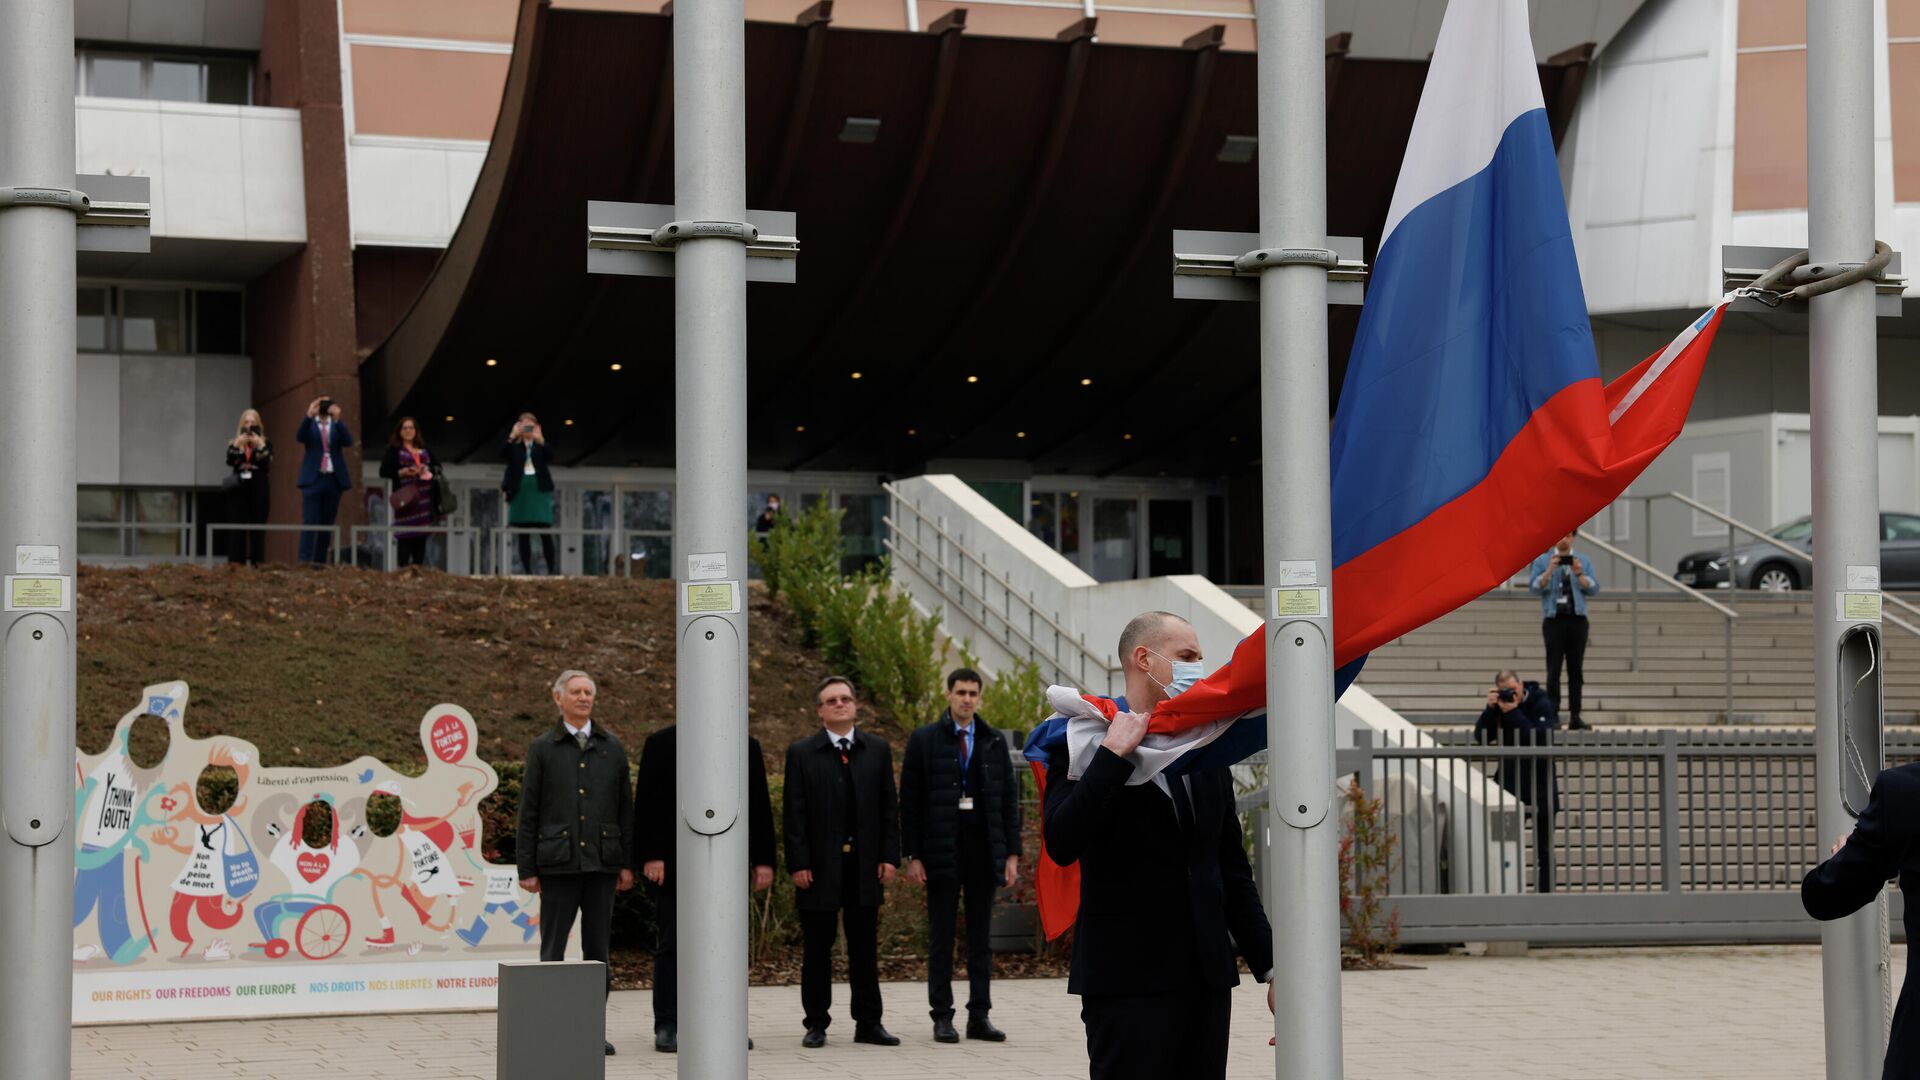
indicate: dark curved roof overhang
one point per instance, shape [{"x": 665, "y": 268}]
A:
[{"x": 1011, "y": 223}]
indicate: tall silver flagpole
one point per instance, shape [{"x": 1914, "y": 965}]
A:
[
  {"x": 1846, "y": 489},
  {"x": 1296, "y": 512},
  {"x": 710, "y": 531},
  {"x": 37, "y": 395}
]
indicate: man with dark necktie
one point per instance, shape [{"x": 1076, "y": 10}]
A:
[
  {"x": 323, "y": 475},
  {"x": 960, "y": 822},
  {"x": 843, "y": 845}
]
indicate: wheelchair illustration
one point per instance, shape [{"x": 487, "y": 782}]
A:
[{"x": 321, "y": 928}]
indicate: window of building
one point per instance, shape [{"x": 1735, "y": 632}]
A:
[
  {"x": 161, "y": 319},
  {"x": 134, "y": 522},
  {"x": 213, "y": 80}
]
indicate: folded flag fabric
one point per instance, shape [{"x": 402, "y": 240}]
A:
[{"x": 1473, "y": 429}]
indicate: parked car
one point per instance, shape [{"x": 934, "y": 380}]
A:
[{"x": 1762, "y": 566}]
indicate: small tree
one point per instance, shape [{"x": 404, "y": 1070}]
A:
[{"x": 1366, "y": 868}]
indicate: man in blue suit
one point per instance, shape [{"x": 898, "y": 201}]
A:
[{"x": 323, "y": 474}]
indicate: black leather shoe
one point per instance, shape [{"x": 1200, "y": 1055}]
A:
[
  {"x": 943, "y": 1031},
  {"x": 1577, "y": 724},
  {"x": 609, "y": 1049},
  {"x": 667, "y": 1040},
  {"x": 875, "y": 1035},
  {"x": 815, "y": 1038},
  {"x": 979, "y": 1027}
]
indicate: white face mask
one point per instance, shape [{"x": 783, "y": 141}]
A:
[{"x": 1185, "y": 674}]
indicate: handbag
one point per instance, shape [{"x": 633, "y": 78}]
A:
[
  {"x": 242, "y": 867},
  {"x": 445, "y": 502}
]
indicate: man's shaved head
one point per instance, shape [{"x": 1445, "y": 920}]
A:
[{"x": 1149, "y": 629}]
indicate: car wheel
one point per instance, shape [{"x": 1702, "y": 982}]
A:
[{"x": 1774, "y": 577}]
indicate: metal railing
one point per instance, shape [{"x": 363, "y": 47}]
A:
[
  {"x": 1736, "y": 526},
  {"x": 120, "y": 529},
  {"x": 389, "y": 559},
  {"x": 1667, "y": 835},
  {"x": 1640, "y": 566},
  {"x": 615, "y": 537},
  {"x": 213, "y": 553},
  {"x": 1015, "y": 621}
]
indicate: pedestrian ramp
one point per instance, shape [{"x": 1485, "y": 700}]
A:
[{"x": 1010, "y": 597}]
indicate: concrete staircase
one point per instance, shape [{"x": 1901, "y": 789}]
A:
[{"x": 1439, "y": 673}]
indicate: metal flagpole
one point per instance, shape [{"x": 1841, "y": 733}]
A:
[
  {"x": 37, "y": 513},
  {"x": 710, "y": 530},
  {"x": 1296, "y": 512},
  {"x": 1846, "y": 488}
]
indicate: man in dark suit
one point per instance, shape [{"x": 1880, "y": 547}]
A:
[
  {"x": 575, "y": 810},
  {"x": 843, "y": 845},
  {"x": 1521, "y": 714},
  {"x": 655, "y": 831},
  {"x": 960, "y": 823},
  {"x": 323, "y": 474},
  {"x": 1167, "y": 897},
  {"x": 1882, "y": 845}
]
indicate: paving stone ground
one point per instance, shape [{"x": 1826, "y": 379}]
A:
[{"x": 1579, "y": 1014}]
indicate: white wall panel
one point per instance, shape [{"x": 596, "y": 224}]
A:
[
  {"x": 409, "y": 192},
  {"x": 157, "y": 420},
  {"x": 219, "y": 172}
]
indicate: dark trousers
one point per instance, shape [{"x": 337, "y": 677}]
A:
[
  {"x": 818, "y": 929},
  {"x": 1543, "y": 847},
  {"x": 248, "y": 504},
  {"x": 412, "y": 550},
  {"x": 1566, "y": 637},
  {"x": 319, "y": 505},
  {"x": 589, "y": 896},
  {"x": 525, "y": 543},
  {"x": 666, "y": 960},
  {"x": 1150, "y": 1038},
  {"x": 977, "y": 879}
]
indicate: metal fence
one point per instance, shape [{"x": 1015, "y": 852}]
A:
[{"x": 1616, "y": 836}]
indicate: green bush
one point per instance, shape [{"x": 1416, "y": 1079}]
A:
[
  {"x": 1013, "y": 700},
  {"x": 800, "y": 557}
]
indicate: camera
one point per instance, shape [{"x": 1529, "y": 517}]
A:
[
  {"x": 253, "y": 429},
  {"x": 326, "y": 406},
  {"x": 1506, "y": 694}
]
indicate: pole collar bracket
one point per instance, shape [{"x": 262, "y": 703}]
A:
[
  {"x": 1262, "y": 258},
  {"x": 64, "y": 198},
  {"x": 675, "y": 233}
]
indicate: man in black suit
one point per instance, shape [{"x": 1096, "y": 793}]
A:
[
  {"x": 655, "y": 832},
  {"x": 960, "y": 822},
  {"x": 843, "y": 845},
  {"x": 1881, "y": 846},
  {"x": 1166, "y": 894}
]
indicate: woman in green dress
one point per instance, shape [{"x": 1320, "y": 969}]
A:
[{"x": 528, "y": 487}]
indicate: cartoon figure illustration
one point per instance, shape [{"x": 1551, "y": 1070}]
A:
[
  {"x": 113, "y": 803},
  {"x": 322, "y": 927},
  {"x": 424, "y": 871},
  {"x": 220, "y": 869}
]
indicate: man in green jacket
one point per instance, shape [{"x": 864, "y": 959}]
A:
[{"x": 572, "y": 846}]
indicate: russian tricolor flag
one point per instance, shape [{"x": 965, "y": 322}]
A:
[{"x": 1473, "y": 429}]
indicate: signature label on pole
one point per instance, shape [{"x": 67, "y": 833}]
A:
[
  {"x": 35, "y": 593},
  {"x": 36, "y": 559},
  {"x": 710, "y": 598},
  {"x": 1856, "y": 607}
]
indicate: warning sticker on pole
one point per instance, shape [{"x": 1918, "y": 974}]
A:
[
  {"x": 51, "y": 593},
  {"x": 1296, "y": 603},
  {"x": 710, "y": 598},
  {"x": 1856, "y": 607}
]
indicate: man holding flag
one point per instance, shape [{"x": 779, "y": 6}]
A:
[{"x": 1164, "y": 878}]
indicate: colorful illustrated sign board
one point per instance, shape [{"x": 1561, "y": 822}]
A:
[{"x": 290, "y": 901}]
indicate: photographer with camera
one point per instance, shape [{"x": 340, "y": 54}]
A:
[
  {"x": 528, "y": 488},
  {"x": 323, "y": 475},
  {"x": 1521, "y": 714},
  {"x": 1563, "y": 579},
  {"x": 249, "y": 456}
]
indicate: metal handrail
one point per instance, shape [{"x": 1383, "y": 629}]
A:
[
  {"x": 1099, "y": 660},
  {"x": 1642, "y": 566},
  {"x": 1659, "y": 575},
  {"x": 1734, "y": 523},
  {"x": 500, "y": 533},
  {"x": 354, "y": 532},
  {"x": 332, "y": 531},
  {"x": 186, "y": 529}
]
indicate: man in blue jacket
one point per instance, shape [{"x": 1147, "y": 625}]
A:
[
  {"x": 323, "y": 475},
  {"x": 1563, "y": 579}
]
